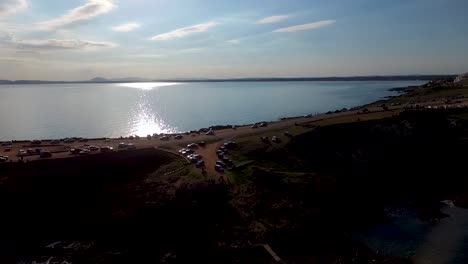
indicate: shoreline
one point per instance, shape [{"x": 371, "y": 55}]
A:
[
  {"x": 260, "y": 79},
  {"x": 401, "y": 91}
]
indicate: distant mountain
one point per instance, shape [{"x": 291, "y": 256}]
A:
[
  {"x": 98, "y": 79},
  {"x": 127, "y": 79}
]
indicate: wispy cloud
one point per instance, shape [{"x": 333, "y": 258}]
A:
[
  {"x": 8, "y": 7},
  {"x": 64, "y": 44},
  {"x": 309, "y": 26},
  {"x": 183, "y": 32},
  {"x": 33, "y": 45},
  {"x": 126, "y": 27},
  {"x": 90, "y": 10},
  {"x": 147, "y": 56},
  {"x": 233, "y": 41},
  {"x": 272, "y": 19}
]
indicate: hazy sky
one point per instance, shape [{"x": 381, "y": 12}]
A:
[{"x": 82, "y": 39}]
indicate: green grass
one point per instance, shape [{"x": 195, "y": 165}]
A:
[
  {"x": 430, "y": 94},
  {"x": 175, "y": 165}
]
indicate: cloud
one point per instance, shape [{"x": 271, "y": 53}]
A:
[
  {"x": 309, "y": 26},
  {"x": 90, "y": 10},
  {"x": 183, "y": 32},
  {"x": 233, "y": 41},
  {"x": 64, "y": 44},
  {"x": 53, "y": 44},
  {"x": 8, "y": 7},
  {"x": 272, "y": 19},
  {"x": 126, "y": 27}
]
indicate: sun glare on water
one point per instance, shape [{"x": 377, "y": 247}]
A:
[
  {"x": 147, "y": 86},
  {"x": 146, "y": 122}
]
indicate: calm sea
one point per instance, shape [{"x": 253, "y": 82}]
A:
[{"x": 113, "y": 110}]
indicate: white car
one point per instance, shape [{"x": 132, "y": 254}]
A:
[{"x": 21, "y": 153}]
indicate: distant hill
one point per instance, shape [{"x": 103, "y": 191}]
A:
[
  {"x": 127, "y": 79},
  {"x": 98, "y": 79}
]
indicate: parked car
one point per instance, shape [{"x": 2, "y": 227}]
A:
[
  {"x": 187, "y": 152},
  {"x": 200, "y": 163},
  {"x": 288, "y": 134},
  {"x": 164, "y": 138},
  {"x": 45, "y": 154},
  {"x": 93, "y": 148},
  {"x": 55, "y": 142},
  {"x": 84, "y": 152},
  {"x": 36, "y": 142},
  {"x": 75, "y": 151},
  {"x": 178, "y": 137},
  {"x": 192, "y": 158},
  {"x": 219, "y": 168},
  {"x": 21, "y": 153},
  {"x": 230, "y": 145},
  {"x": 122, "y": 146},
  {"x": 192, "y": 146},
  {"x": 131, "y": 146},
  {"x": 254, "y": 126},
  {"x": 182, "y": 150},
  {"x": 210, "y": 133},
  {"x": 3, "y": 159},
  {"x": 220, "y": 163},
  {"x": 30, "y": 151},
  {"x": 263, "y": 125},
  {"x": 107, "y": 149},
  {"x": 265, "y": 140},
  {"x": 197, "y": 156},
  {"x": 6, "y": 144},
  {"x": 8, "y": 148},
  {"x": 202, "y": 143},
  {"x": 276, "y": 139}
]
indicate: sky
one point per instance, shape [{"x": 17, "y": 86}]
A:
[{"x": 164, "y": 39}]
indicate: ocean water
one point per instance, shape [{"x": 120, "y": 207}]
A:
[
  {"x": 112, "y": 110},
  {"x": 440, "y": 242}
]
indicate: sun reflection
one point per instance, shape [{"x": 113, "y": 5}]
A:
[
  {"x": 147, "y": 86},
  {"x": 145, "y": 122}
]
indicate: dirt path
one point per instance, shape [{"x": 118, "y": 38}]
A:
[{"x": 210, "y": 157}]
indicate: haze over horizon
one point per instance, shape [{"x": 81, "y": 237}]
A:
[{"x": 82, "y": 39}]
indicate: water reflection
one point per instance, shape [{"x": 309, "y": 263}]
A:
[
  {"x": 147, "y": 86},
  {"x": 146, "y": 122}
]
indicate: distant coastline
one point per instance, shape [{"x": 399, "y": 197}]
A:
[{"x": 305, "y": 79}]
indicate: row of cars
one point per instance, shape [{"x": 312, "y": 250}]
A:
[
  {"x": 223, "y": 161},
  {"x": 43, "y": 154},
  {"x": 275, "y": 139},
  {"x": 263, "y": 124},
  {"x": 86, "y": 149},
  {"x": 209, "y": 132},
  {"x": 189, "y": 153}
]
